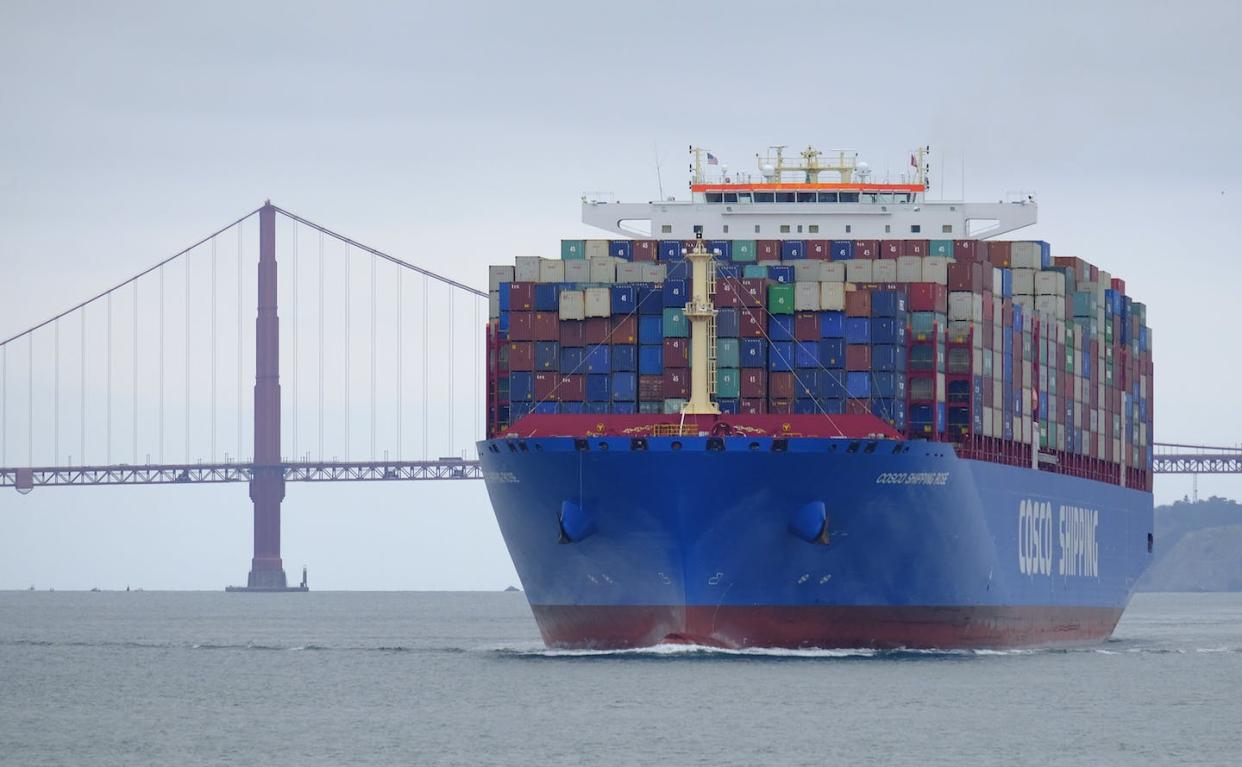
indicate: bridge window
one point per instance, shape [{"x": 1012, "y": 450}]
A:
[
  {"x": 714, "y": 196},
  {"x": 915, "y": 228},
  {"x": 827, "y": 196},
  {"x": 848, "y": 228},
  {"x": 784, "y": 228},
  {"x": 786, "y": 197},
  {"x": 666, "y": 228},
  {"x": 756, "y": 229},
  {"x": 730, "y": 196},
  {"x": 870, "y": 197},
  {"x": 888, "y": 228},
  {"x": 813, "y": 228},
  {"x": 799, "y": 228},
  {"x": 765, "y": 197},
  {"x": 946, "y": 229},
  {"x": 806, "y": 197},
  {"x": 743, "y": 197},
  {"x": 726, "y": 228},
  {"x": 849, "y": 197}
]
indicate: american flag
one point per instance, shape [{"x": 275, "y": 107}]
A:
[{"x": 711, "y": 159}]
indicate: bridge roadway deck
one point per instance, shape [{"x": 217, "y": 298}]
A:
[{"x": 173, "y": 474}]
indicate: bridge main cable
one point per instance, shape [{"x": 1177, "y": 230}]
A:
[{"x": 380, "y": 254}]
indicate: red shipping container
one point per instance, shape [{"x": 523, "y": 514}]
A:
[
  {"x": 545, "y": 326},
  {"x": 570, "y": 388},
  {"x": 521, "y": 356},
  {"x": 914, "y": 247},
  {"x": 989, "y": 308},
  {"x": 521, "y": 296},
  {"x": 858, "y": 303},
  {"x": 754, "y": 406},
  {"x": 890, "y": 248},
  {"x": 868, "y": 249},
  {"x": 855, "y": 406},
  {"x": 624, "y": 330},
  {"x": 928, "y": 297},
  {"x": 645, "y": 250},
  {"x": 676, "y": 353},
  {"x": 545, "y": 385},
  {"x": 987, "y": 334},
  {"x": 780, "y": 406},
  {"x": 1007, "y": 313},
  {"x": 965, "y": 276},
  {"x": 754, "y": 291},
  {"x": 806, "y": 326},
  {"x": 521, "y": 326},
  {"x": 573, "y": 333},
  {"x": 726, "y": 293},
  {"x": 676, "y": 383},
  {"x": 967, "y": 250},
  {"x": 988, "y": 281},
  {"x": 857, "y": 358},
  {"x": 650, "y": 388},
  {"x": 820, "y": 250},
  {"x": 754, "y": 383},
  {"x": 780, "y": 386},
  {"x": 999, "y": 252},
  {"x": 597, "y": 330},
  {"x": 750, "y": 324},
  {"x": 768, "y": 250}
]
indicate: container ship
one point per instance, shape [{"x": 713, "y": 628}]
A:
[{"x": 839, "y": 433}]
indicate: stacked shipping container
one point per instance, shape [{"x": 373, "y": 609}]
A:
[{"x": 995, "y": 346}]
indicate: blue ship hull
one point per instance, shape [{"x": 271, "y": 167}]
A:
[{"x": 810, "y": 542}]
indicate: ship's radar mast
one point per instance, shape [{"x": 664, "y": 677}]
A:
[{"x": 774, "y": 166}]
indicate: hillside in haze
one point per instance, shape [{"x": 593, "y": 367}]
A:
[{"x": 1198, "y": 547}]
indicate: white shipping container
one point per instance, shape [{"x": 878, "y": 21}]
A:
[
  {"x": 596, "y": 249},
  {"x": 526, "y": 269},
  {"x": 909, "y": 268},
  {"x": 832, "y": 296},
  {"x": 1023, "y": 282},
  {"x": 831, "y": 271},
  {"x": 629, "y": 272},
  {"x": 1025, "y": 255},
  {"x": 806, "y": 296},
  {"x": 806, "y": 270},
  {"x": 936, "y": 270},
  {"x": 884, "y": 270},
  {"x": 577, "y": 270},
  {"x": 1027, "y": 303},
  {"x": 976, "y": 357},
  {"x": 858, "y": 270},
  {"x": 965, "y": 306},
  {"x": 1050, "y": 283},
  {"x": 497, "y": 275},
  {"x": 998, "y": 391},
  {"x": 598, "y": 302},
  {"x": 573, "y": 304},
  {"x": 551, "y": 270},
  {"x": 602, "y": 270},
  {"x": 654, "y": 272},
  {"x": 1026, "y": 428},
  {"x": 1026, "y": 380},
  {"x": 1052, "y": 306},
  {"x": 987, "y": 422}
]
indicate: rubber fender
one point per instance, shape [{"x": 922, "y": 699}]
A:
[
  {"x": 810, "y": 523},
  {"x": 576, "y": 523}
]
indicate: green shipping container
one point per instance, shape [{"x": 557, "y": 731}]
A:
[
  {"x": 744, "y": 250},
  {"x": 573, "y": 250},
  {"x": 941, "y": 248},
  {"x": 781, "y": 299},
  {"x": 754, "y": 271},
  {"x": 727, "y": 383},
  {"x": 728, "y": 353},
  {"x": 675, "y": 325},
  {"x": 673, "y": 406}
]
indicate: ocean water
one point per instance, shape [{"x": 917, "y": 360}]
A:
[{"x": 462, "y": 679}]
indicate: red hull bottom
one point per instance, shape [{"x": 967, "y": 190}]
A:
[{"x": 828, "y": 627}]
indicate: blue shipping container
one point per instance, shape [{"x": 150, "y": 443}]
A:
[
  {"x": 832, "y": 384},
  {"x": 598, "y": 388},
  {"x": 598, "y": 360},
  {"x": 675, "y": 293},
  {"x": 832, "y": 352},
  {"x": 521, "y": 386},
  {"x": 832, "y": 324},
  {"x": 792, "y": 250},
  {"x": 780, "y": 327},
  {"x": 889, "y": 357},
  {"x": 650, "y": 300},
  {"x": 547, "y": 355},
  {"x": 806, "y": 354},
  {"x": 623, "y": 299},
  {"x": 547, "y": 296},
  {"x": 727, "y": 323},
  {"x": 858, "y": 384},
  {"x": 650, "y": 360},
  {"x": 624, "y": 358},
  {"x": 670, "y": 250},
  {"x": 857, "y": 330},
  {"x": 651, "y": 330},
  {"x": 621, "y": 249},
  {"x": 571, "y": 359},
  {"x": 624, "y": 387},
  {"x": 842, "y": 250},
  {"x": 754, "y": 353},
  {"x": 780, "y": 357}
]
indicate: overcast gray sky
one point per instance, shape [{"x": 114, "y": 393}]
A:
[{"x": 461, "y": 134}]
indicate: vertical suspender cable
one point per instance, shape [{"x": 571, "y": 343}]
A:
[
  {"x": 320, "y": 456},
  {"x": 82, "y": 389},
  {"x": 56, "y": 394},
  {"x": 213, "y": 349},
  {"x": 187, "y": 360},
  {"x": 135, "y": 392},
  {"x": 426, "y": 420},
  {"x": 400, "y": 408},
  {"x": 30, "y": 400},
  {"x": 452, "y": 360},
  {"x": 372, "y": 358},
  {"x": 474, "y": 387},
  {"x": 348, "y": 274},
  {"x": 160, "y": 323},
  {"x": 4, "y": 404},
  {"x": 293, "y": 406},
  {"x": 108, "y": 417},
  {"x": 241, "y": 398}
]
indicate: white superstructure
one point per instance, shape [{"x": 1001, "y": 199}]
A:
[{"x": 788, "y": 200}]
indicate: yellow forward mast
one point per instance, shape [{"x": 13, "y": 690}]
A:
[{"x": 702, "y": 316}]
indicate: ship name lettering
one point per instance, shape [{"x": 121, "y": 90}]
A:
[
  {"x": 936, "y": 478},
  {"x": 1080, "y": 549},
  {"x": 1035, "y": 537}
]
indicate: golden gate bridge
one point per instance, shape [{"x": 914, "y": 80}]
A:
[{"x": 171, "y": 343}]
